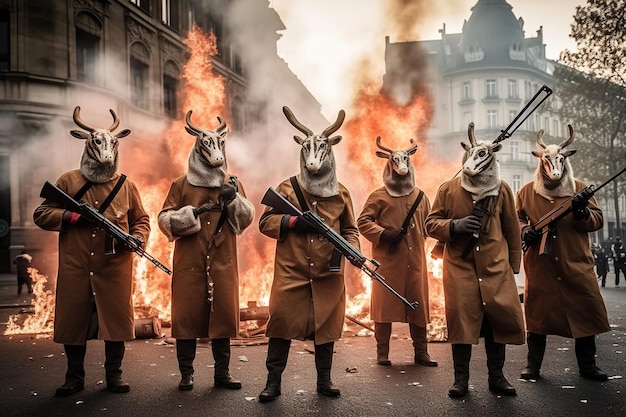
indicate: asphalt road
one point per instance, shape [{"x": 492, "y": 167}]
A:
[{"x": 33, "y": 366}]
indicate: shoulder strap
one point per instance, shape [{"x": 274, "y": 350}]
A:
[
  {"x": 111, "y": 196},
  {"x": 296, "y": 188},
  {"x": 83, "y": 190},
  {"x": 409, "y": 216}
]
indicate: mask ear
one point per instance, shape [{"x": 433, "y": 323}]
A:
[
  {"x": 496, "y": 147},
  {"x": 334, "y": 140},
  {"x": 122, "y": 134},
  {"x": 298, "y": 139},
  {"x": 79, "y": 134},
  {"x": 382, "y": 155},
  {"x": 465, "y": 146},
  {"x": 569, "y": 152},
  {"x": 536, "y": 153}
]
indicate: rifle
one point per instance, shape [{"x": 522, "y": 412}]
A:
[
  {"x": 54, "y": 193},
  {"x": 546, "y": 224},
  {"x": 540, "y": 96},
  {"x": 275, "y": 200}
]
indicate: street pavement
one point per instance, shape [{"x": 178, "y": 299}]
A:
[{"x": 32, "y": 367}]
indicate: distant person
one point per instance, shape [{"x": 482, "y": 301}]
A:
[
  {"x": 619, "y": 259},
  {"x": 22, "y": 263},
  {"x": 602, "y": 264}
]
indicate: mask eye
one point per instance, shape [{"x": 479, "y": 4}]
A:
[
  {"x": 205, "y": 142},
  {"x": 482, "y": 153},
  {"x": 98, "y": 142}
]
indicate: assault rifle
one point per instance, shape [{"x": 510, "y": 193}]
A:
[
  {"x": 274, "y": 199},
  {"x": 546, "y": 225},
  {"x": 54, "y": 193}
]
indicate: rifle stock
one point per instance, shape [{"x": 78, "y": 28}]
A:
[
  {"x": 53, "y": 193},
  {"x": 275, "y": 200}
]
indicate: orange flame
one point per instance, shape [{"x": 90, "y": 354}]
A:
[{"x": 42, "y": 319}]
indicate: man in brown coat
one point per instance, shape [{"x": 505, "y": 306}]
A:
[
  {"x": 94, "y": 288},
  {"x": 203, "y": 213},
  {"x": 308, "y": 297},
  {"x": 474, "y": 214},
  {"x": 402, "y": 256},
  {"x": 561, "y": 290}
]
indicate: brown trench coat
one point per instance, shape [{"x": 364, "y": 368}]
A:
[
  {"x": 192, "y": 316},
  {"x": 302, "y": 279},
  {"x": 86, "y": 275},
  {"x": 484, "y": 284},
  {"x": 405, "y": 269},
  {"x": 561, "y": 294}
]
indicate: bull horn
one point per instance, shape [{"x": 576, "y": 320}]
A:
[
  {"x": 378, "y": 140},
  {"x": 539, "y": 141},
  {"x": 188, "y": 121},
  {"x": 570, "y": 139},
  {"x": 79, "y": 122},
  {"x": 470, "y": 134},
  {"x": 335, "y": 126},
  {"x": 295, "y": 123},
  {"x": 116, "y": 121},
  {"x": 222, "y": 125}
]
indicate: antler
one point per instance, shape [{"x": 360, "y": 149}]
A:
[
  {"x": 470, "y": 134},
  {"x": 570, "y": 139},
  {"x": 539, "y": 141},
  {"x": 335, "y": 126},
  {"x": 116, "y": 121},
  {"x": 295, "y": 123},
  {"x": 222, "y": 125},
  {"x": 188, "y": 120},
  {"x": 80, "y": 123},
  {"x": 378, "y": 140}
]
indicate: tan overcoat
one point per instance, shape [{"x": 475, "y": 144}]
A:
[
  {"x": 86, "y": 275},
  {"x": 405, "y": 269},
  {"x": 303, "y": 287},
  {"x": 483, "y": 284},
  {"x": 192, "y": 316},
  {"x": 561, "y": 295}
]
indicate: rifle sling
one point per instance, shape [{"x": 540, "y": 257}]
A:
[
  {"x": 483, "y": 209},
  {"x": 108, "y": 200},
  {"x": 335, "y": 260},
  {"x": 409, "y": 216}
]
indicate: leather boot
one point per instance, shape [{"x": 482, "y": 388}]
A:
[
  {"x": 113, "y": 356},
  {"x": 461, "y": 355},
  {"x": 382, "y": 333},
  {"x": 585, "y": 354},
  {"x": 186, "y": 354},
  {"x": 420, "y": 345},
  {"x": 323, "y": 364},
  {"x": 277, "y": 355},
  {"x": 496, "y": 353},
  {"x": 221, "y": 354},
  {"x": 75, "y": 374},
  {"x": 536, "y": 349}
]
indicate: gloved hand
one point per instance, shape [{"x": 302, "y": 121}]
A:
[
  {"x": 468, "y": 224},
  {"x": 579, "y": 205},
  {"x": 75, "y": 219},
  {"x": 530, "y": 235},
  {"x": 299, "y": 224},
  {"x": 123, "y": 246},
  {"x": 393, "y": 237},
  {"x": 227, "y": 192}
]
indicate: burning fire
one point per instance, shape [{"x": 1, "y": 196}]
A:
[{"x": 42, "y": 319}]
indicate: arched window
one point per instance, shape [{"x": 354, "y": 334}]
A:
[
  {"x": 171, "y": 76},
  {"x": 88, "y": 34},
  {"x": 139, "y": 66}
]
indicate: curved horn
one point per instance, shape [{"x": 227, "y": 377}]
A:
[
  {"x": 381, "y": 146},
  {"x": 222, "y": 125},
  {"x": 116, "y": 121},
  {"x": 570, "y": 139},
  {"x": 470, "y": 134},
  {"x": 539, "y": 140},
  {"x": 295, "y": 123},
  {"x": 79, "y": 122},
  {"x": 188, "y": 120},
  {"x": 335, "y": 126}
]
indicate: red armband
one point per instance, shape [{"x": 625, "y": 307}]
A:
[
  {"x": 71, "y": 217},
  {"x": 291, "y": 223}
]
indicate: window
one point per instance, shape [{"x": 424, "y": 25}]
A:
[
  {"x": 512, "y": 87},
  {"x": 514, "y": 150},
  {"x": 169, "y": 13},
  {"x": 143, "y": 4},
  {"x": 5, "y": 40},
  {"x": 467, "y": 91},
  {"x": 512, "y": 114},
  {"x": 88, "y": 32},
  {"x": 467, "y": 119},
  {"x": 490, "y": 89},
  {"x": 170, "y": 89},
  {"x": 555, "y": 127},
  {"x": 492, "y": 119},
  {"x": 138, "y": 82},
  {"x": 517, "y": 183}
]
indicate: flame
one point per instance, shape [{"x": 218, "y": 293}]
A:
[{"x": 42, "y": 319}]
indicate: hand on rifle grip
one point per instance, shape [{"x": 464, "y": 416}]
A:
[
  {"x": 227, "y": 192},
  {"x": 393, "y": 237},
  {"x": 76, "y": 219},
  {"x": 198, "y": 211},
  {"x": 468, "y": 224},
  {"x": 299, "y": 224},
  {"x": 530, "y": 235}
]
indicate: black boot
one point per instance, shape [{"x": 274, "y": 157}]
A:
[
  {"x": 113, "y": 355},
  {"x": 496, "y": 353},
  {"x": 75, "y": 374},
  {"x": 382, "y": 334},
  {"x": 461, "y": 355},
  {"x": 585, "y": 355},
  {"x": 221, "y": 354},
  {"x": 420, "y": 345},
  {"x": 185, "y": 353},
  {"x": 536, "y": 349},
  {"x": 277, "y": 355},
  {"x": 323, "y": 364}
]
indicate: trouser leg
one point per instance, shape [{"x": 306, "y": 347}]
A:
[
  {"x": 276, "y": 362},
  {"x": 536, "y": 344},
  {"x": 113, "y": 356},
  {"x": 382, "y": 334},
  {"x": 585, "y": 355},
  {"x": 461, "y": 355},
  {"x": 323, "y": 365},
  {"x": 185, "y": 354},
  {"x": 221, "y": 354},
  {"x": 420, "y": 345}
]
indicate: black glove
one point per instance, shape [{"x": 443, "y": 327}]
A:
[
  {"x": 469, "y": 224},
  {"x": 300, "y": 225},
  {"x": 530, "y": 235},
  {"x": 393, "y": 237},
  {"x": 579, "y": 205},
  {"x": 227, "y": 192},
  {"x": 75, "y": 219}
]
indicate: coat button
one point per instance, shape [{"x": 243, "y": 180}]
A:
[
  {"x": 311, "y": 264},
  {"x": 477, "y": 248}
]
